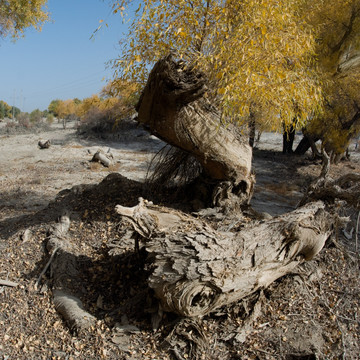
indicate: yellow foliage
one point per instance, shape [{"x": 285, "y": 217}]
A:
[
  {"x": 87, "y": 104},
  {"x": 337, "y": 25},
  {"x": 65, "y": 108},
  {"x": 258, "y": 54},
  {"x": 16, "y": 16}
]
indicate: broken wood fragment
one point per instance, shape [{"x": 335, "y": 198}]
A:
[
  {"x": 64, "y": 272},
  {"x": 102, "y": 158}
]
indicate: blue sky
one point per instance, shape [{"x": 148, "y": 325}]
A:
[{"x": 61, "y": 62}]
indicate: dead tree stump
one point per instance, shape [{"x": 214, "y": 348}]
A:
[{"x": 196, "y": 269}]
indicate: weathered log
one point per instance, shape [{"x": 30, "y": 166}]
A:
[
  {"x": 196, "y": 269},
  {"x": 173, "y": 107},
  {"x": 64, "y": 275},
  {"x": 102, "y": 158},
  {"x": 44, "y": 144}
]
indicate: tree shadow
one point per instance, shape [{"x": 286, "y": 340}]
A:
[{"x": 93, "y": 202}]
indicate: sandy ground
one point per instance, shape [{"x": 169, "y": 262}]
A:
[
  {"x": 312, "y": 316},
  {"x": 30, "y": 177}
]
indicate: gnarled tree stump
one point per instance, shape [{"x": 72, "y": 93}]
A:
[{"x": 173, "y": 107}]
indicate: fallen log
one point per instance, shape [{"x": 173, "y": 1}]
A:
[
  {"x": 174, "y": 108},
  {"x": 196, "y": 269}
]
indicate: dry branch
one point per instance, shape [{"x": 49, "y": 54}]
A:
[
  {"x": 8, "y": 283},
  {"x": 346, "y": 187},
  {"x": 196, "y": 269}
]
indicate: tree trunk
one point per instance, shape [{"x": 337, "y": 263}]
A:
[
  {"x": 173, "y": 107},
  {"x": 196, "y": 269},
  {"x": 252, "y": 130},
  {"x": 288, "y": 139},
  {"x": 305, "y": 144}
]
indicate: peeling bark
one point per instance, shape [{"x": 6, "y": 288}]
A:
[{"x": 196, "y": 269}]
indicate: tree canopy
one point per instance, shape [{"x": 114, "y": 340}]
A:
[
  {"x": 16, "y": 16},
  {"x": 277, "y": 61},
  {"x": 258, "y": 55},
  {"x": 337, "y": 26}
]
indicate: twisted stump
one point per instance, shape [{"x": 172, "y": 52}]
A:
[{"x": 173, "y": 106}]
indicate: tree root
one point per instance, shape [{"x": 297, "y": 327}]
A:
[{"x": 63, "y": 266}]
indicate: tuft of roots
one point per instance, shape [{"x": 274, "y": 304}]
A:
[{"x": 172, "y": 166}]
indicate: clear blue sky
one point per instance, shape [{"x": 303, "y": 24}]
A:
[{"x": 61, "y": 62}]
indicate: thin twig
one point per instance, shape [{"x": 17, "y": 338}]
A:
[
  {"x": 45, "y": 268},
  {"x": 8, "y": 283},
  {"x": 356, "y": 233}
]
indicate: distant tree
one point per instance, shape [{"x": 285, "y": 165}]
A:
[
  {"x": 24, "y": 119},
  {"x": 15, "y": 111},
  {"x": 126, "y": 92},
  {"x": 2, "y": 109},
  {"x": 5, "y": 110},
  {"x": 50, "y": 118},
  {"x": 36, "y": 116},
  {"x": 66, "y": 110},
  {"x": 88, "y": 104},
  {"x": 53, "y": 107},
  {"x": 16, "y": 16},
  {"x": 76, "y": 101}
]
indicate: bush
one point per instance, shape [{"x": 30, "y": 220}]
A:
[
  {"x": 36, "y": 116},
  {"x": 50, "y": 118},
  {"x": 24, "y": 120}
]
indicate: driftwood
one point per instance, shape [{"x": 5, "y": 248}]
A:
[
  {"x": 172, "y": 105},
  {"x": 196, "y": 269},
  {"x": 44, "y": 144},
  {"x": 65, "y": 274},
  {"x": 102, "y": 158}
]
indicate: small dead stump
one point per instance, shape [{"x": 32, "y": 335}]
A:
[{"x": 44, "y": 144}]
